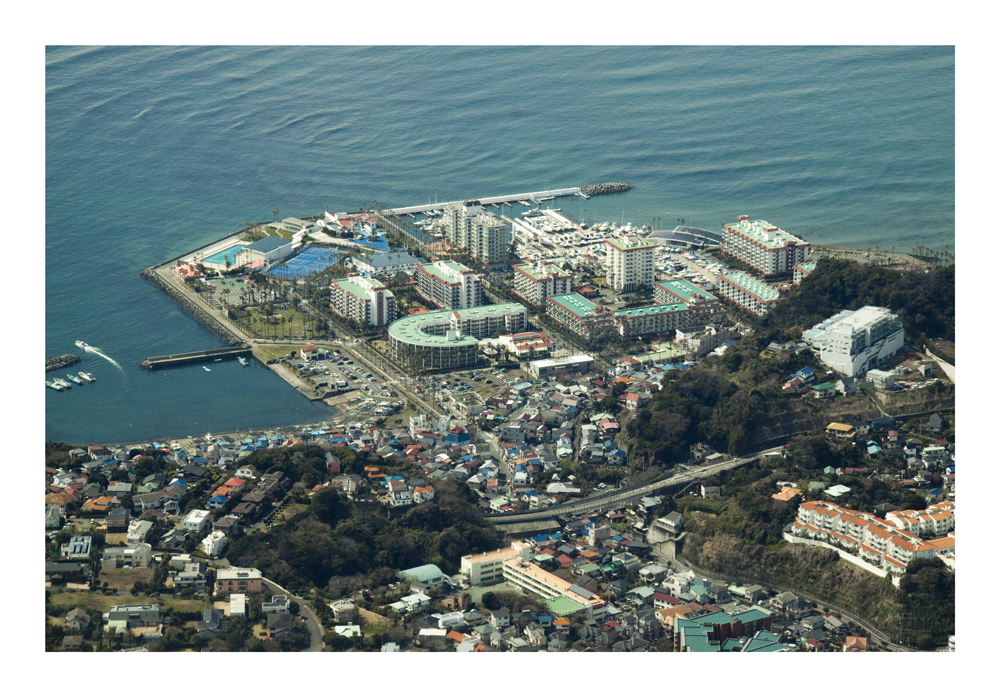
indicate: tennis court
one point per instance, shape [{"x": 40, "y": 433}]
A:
[{"x": 306, "y": 262}]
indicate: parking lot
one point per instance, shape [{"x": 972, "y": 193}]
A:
[{"x": 344, "y": 372}]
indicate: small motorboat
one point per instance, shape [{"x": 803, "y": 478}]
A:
[{"x": 207, "y": 369}]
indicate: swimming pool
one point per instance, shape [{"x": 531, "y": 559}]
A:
[{"x": 227, "y": 253}]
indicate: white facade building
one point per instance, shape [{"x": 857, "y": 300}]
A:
[
  {"x": 630, "y": 263},
  {"x": 535, "y": 282},
  {"x": 767, "y": 248},
  {"x": 195, "y": 521},
  {"x": 857, "y": 341},
  {"x": 479, "y": 232},
  {"x": 214, "y": 544},
  {"x": 365, "y": 300},
  {"x": 449, "y": 285}
]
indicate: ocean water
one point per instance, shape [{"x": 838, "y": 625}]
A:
[{"x": 152, "y": 151}]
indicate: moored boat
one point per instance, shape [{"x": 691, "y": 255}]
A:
[
  {"x": 74, "y": 378},
  {"x": 207, "y": 369},
  {"x": 242, "y": 360},
  {"x": 88, "y": 377},
  {"x": 53, "y": 385},
  {"x": 61, "y": 382}
]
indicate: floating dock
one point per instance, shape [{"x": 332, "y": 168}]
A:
[{"x": 194, "y": 357}]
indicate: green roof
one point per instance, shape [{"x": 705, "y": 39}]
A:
[
  {"x": 824, "y": 386},
  {"x": 685, "y": 289},
  {"x": 563, "y": 606},
  {"x": 575, "y": 303},
  {"x": 752, "y": 285},
  {"x": 427, "y": 572},
  {"x": 772, "y": 239},
  {"x": 651, "y": 310},
  {"x": 453, "y": 266},
  {"x": 412, "y": 329},
  {"x": 587, "y": 568},
  {"x": 807, "y": 266}
]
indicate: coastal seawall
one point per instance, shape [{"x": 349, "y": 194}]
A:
[
  {"x": 191, "y": 308},
  {"x": 609, "y": 188}
]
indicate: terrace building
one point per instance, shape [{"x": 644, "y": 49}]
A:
[
  {"x": 236, "y": 580},
  {"x": 800, "y": 271},
  {"x": 749, "y": 292},
  {"x": 536, "y": 282},
  {"x": 449, "y": 285},
  {"x": 365, "y": 300},
  {"x": 703, "y": 306},
  {"x": 630, "y": 263},
  {"x": 765, "y": 247},
  {"x": 655, "y": 319},
  {"x": 579, "y": 315}
]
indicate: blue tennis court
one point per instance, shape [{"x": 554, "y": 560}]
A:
[{"x": 306, "y": 262}]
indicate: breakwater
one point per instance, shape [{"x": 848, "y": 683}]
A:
[
  {"x": 609, "y": 188},
  {"x": 63, "y": 361},
  {"x": 191, "y": 308}
]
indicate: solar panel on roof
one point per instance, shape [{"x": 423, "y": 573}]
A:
[{"x": 582, "y": 592}]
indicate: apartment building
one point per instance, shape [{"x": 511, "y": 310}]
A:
[
  {"x": 479, "y": 232},
  {"x": 449, "y": 285},
  {"x": 800, "y": 271},
  {"x": 487, "y": 569},
  {"x": 655, "y": 319},
  {"x": 365, "y": 300},
  {"x": 630, "y": 263},
  {"x": 537, "y": 281},
  {"x": 748, "y": 292},
  {"x": 889, "y": 543},
  {"x": 767, "y": 248},
  {"x": 579, "y": 315},
  {"x": 855, "y": 342},
  {"x": 704, "y": 306}
]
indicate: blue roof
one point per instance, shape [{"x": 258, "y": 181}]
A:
[
  {"x": 199, "y": 460},
  {"x": 219, "y": 498},
  {"x": 806, "y": 371}
]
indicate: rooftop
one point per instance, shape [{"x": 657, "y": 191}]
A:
[
  {"x": 771, "y": 236},
  {"x": 412, "y": 329},
  {"x": 688, "y": 291},
  {"x": 752, "y": 285}
]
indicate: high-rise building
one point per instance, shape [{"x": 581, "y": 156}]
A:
[
  {"x": 366, "y": 300},
  {"x": 767, "y": 248},
  {"x": 630, "y": 263},
  {"x": 449, "y": 285},
  {"x": 479, "y": 232},
  {"x": 537, "y": 281}
]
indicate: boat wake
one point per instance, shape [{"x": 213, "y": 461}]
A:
[{"x": 98, "y": 352}]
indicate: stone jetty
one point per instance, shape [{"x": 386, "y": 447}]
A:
[{"x": 609, "y": 188}]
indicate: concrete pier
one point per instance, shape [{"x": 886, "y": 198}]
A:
[
  {"x": 534, "y": 195},
  {"x": 194, "y": 357}
]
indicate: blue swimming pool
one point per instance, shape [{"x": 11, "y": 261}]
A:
[{"x": 227, "y": 253}]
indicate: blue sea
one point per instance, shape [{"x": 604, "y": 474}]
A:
[{"x": 153, "y": 151}]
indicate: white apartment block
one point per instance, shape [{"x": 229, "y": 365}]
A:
[
  {"x": 365, "y": 300},
  {"x": 748, "y": 292},
  {"x": 449, "y": 285},
  {"x": 479, "y": 232},
  {"x": 765, "y": 247},
  {"x": 855, "y": 342},
  {"x": 536, "y": 281},
  {"x": 195, "y": 521},
  {"x": 889, "y": 543},
  {"x": 630, "y": 263}
]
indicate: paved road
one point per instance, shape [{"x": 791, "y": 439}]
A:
[
  {"x": 948, "y": 368},
  {"x": 306, "y": 612},
  {"x": 616, "y": 497}
]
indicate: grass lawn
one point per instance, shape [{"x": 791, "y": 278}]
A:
[
  {"x": 116, "y": 538},
  {"x": 274, "y": 326},
  {"x": 276, "y": 351},
  {"x": 103, "y": 603},
  {"x": 124, "y": 579}
]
